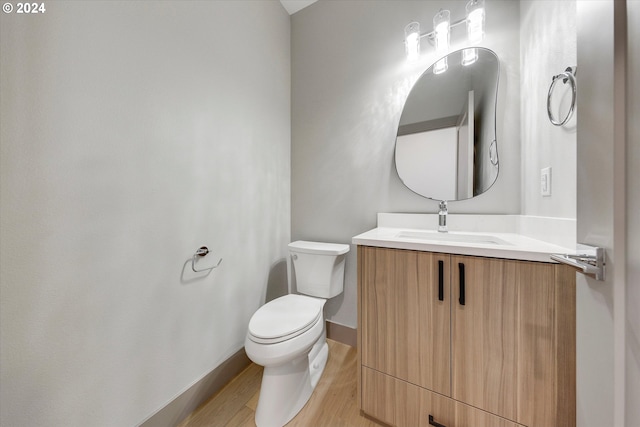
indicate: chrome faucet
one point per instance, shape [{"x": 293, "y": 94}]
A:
[{"x": 442, "y": 217}]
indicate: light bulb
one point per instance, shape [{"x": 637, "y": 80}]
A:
[
  {"x": 441, "y": 30},
  {"x": 412, "y": 40},
  {"x": 440, "y": 66},
  {"x": 469, "y": 56},
  {"x": 475, "y": 21}
]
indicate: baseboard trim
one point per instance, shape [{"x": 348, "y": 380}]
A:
[
  {"x": 341, "y": 333},
  {"x": 187, "y": 402}
]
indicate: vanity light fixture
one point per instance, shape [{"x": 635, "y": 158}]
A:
[
  {"x": 475, "y": 30},
  {"x": 475, "y": 21},
  {"x": 412, "y": 40},
  {"x": 441, "y": 34},
  {"x": 441, "y": 29},
  {"x": 469, "y": 56}
]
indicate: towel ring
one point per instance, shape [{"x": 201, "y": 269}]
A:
[
  {"x": 568, "y": 75},
  {"x": 201, "y": 252}
]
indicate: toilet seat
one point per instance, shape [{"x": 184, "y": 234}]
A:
[{"x": 285, "y": 318}]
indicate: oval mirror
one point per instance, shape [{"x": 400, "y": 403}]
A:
[{"x": 446, "y": 146}]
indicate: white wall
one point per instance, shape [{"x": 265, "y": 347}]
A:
[
  {"x": 547, "y": 48},
  {"x": 350, "y": 79},
  {"x": 133, "y": 133}
]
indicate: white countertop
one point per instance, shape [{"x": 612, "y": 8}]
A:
[{"x": 493, "y": 245}]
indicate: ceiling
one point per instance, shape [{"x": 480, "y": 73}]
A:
[{"x": 292, "y": 6}]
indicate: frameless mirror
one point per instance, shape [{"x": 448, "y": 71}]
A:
[{"x": 446, "y": 146}]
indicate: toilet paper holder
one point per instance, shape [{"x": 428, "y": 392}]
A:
[{"x": 202, "y": 252}]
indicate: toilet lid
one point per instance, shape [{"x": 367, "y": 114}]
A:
[{"x": 284, "y": 318}]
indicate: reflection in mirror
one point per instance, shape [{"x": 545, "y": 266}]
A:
[{"x": 446, "y": 145}]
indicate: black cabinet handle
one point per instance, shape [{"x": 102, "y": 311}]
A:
[
  {"x": 461, "y": 268},
  {"x": 441, "y": 280},
  {"x": 433, "y": 423}
]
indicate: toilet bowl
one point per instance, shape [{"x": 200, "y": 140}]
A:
[{"x": 287, "y": 335}]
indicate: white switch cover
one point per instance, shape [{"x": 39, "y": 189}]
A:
[{"x": 545, "y": 181}]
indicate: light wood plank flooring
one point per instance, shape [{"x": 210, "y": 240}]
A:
[{"x": 332, "y": 404}]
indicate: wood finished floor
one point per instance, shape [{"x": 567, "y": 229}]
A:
[{"x": 332, "y": 404}]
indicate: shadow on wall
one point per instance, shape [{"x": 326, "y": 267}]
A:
[{"x": 277, "y": 281}]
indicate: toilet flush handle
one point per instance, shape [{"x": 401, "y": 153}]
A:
[{"x": 294, "y": 257}]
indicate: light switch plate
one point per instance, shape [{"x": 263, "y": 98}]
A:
[{"x": 545, "y": 181}]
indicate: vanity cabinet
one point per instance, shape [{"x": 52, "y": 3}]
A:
[{"x": 471, "y": 341}]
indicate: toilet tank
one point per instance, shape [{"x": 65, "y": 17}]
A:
[{"x": 318, "y": 267}]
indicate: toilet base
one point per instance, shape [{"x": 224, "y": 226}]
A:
[{"x": 286, "y": 388}]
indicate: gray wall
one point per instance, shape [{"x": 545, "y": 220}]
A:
[
  {"x": 133, "y": 133},
  {"x": 350, "y": 78},
  {"x": 632, "y": 322},
  {"x": 547, "y": 48}
]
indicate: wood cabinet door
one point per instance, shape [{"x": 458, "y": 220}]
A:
[
  {"x": 484, "y": 333},
  {"x": 404, "y": 316},
  {"x": 547, "y": 347}
]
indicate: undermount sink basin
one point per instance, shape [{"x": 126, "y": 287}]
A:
[{"x": 452, "y": 237}]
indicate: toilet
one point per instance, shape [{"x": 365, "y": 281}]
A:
[{"x": 287, "y": 335}]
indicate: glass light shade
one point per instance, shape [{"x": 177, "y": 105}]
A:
[
  {"x": 469, "y": 56},
  {"x": 412, "y": 40},
  {"x": 475, "y": 21},
  {"x": 440, "y": 66},
  {"x": 441, "y": 24}
]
